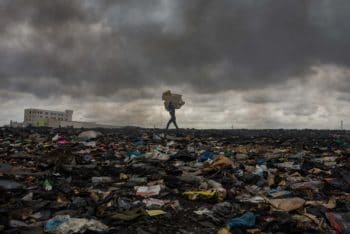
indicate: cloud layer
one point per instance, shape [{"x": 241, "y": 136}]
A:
[{"x": 230, "y": 58}]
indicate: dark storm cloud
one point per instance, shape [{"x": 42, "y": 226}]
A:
[
  {"x": 263, "y": 98},
  {"x": 100, "y": 47},
  {"x": 301, "y": 109}
]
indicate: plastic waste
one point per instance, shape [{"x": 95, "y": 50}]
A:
[
  {"x": 247, "y": 220},
  {"x": 220, "y": 212},
  {"x": 10, "y": 185},
  {"x": 339, "y": 221},
  {"x": 288, "y": 165},
  {"x": 89, "y": 143},
  {"x": 314, "y": 185},
  {"x": 176, "y": 99},
  {"x": 157, "y": 137},
  {"x": 260, "y": 169},
  {"x": 160, "y": 154},
  {"x": 254, "y": 171},
  {"x": 153, "y": 202},
  {"x": 88, "y": 158},
  {"x": 275, "y": 193},
  {"x": 220, "y": 191},
  {"x": 135, "y": 154},
  {"x": 17, "y": 224},
  {"x": 124, "y": 203},
  {"x": 287, "y": 204},
  {"x": 241, "y": 156},
  {"x": 147, "y": 191},
  {"x": 342, "y": 143},
  {"x": 41, "y": 215},
  {"x": 221, "y": 162},
  {"x": 250, "y": 199},
  {"x": 207, "y": 155},
  {"x": 194, "y": 195},
  {"x": 202, "y": 211},
  {"x": 331, "y": 204},
  {"x": 28, "y": 197},
  {"x": 88, "y": 135},
  {"x": 139, "y": 142},
  {"x": 102, "y": 179},
  {"x": 155, "y": 212},
  {"x": 47, "y": 185},
  {"x": 55, "y": 138},
  {"x": 138, "y": 180},
  {"x": 62, "y": 142},
  {"x": 65, "y": 224},
  {"x": 224, "y": 231}
]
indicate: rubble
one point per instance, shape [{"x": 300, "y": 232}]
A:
[{"x": 194, "y": 181}]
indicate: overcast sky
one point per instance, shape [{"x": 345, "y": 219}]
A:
[{"x": 246, "y": 63}]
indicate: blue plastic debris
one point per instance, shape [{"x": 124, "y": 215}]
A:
[
  {"x": 245, "y": 221},
  {"x": 206, "y": 156},
  {"x": 278, "y": 192},
  {"x": 53, "y": 224},
  {"x": 135, "y": 154},
  {"x": 261, "y": 162},
  {"x": 139, "y": 142}
]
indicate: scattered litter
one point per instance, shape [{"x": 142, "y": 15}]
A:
[
  {"x": 247, "y": 220},
  {"x": 144, "y": 181},
  {"x": 147, "y": 191},
  {"x": 65, "y": 224},
  {"x": 155, "y": 212}
]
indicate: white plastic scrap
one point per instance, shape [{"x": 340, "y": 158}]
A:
[
  {"x": 87, "y": 135},
  {"x": 202, "y": 211},
  {"x": 151, "y": 202},
  {"x": 147, "y": 191},
  {"x": 61, "y": 224},
  {"x": 55, "y": 138}
]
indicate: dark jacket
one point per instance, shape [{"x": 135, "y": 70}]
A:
[{"x": 171, "y": 108}]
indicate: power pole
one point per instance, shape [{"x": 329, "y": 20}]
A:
[{"x": 341, "y": 125}]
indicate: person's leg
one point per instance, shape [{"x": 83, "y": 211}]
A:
[
  {"x": 174, "y": 121},
  {"x": 168, "y": 124}
]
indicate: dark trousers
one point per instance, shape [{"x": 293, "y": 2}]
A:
[{"x": 172, "y": 120}]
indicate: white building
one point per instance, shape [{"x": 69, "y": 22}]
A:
[
  {"x": 54, "y": 119},
  {"x": 40, "y": 117}
]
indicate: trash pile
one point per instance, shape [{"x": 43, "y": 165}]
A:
[{"x": 142, "y": 181}]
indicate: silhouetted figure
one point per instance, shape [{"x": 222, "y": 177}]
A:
[{"x": 171, "y": 109}]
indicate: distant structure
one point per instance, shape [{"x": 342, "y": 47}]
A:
[
  {"x": 54, "y": 119},
  {"x": 341, "y": 125},
  {"x": 36, "y": 117}
]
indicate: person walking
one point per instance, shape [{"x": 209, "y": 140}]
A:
[{"x": 171, "y": 109}]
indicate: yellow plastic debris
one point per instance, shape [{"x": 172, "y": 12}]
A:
[
  {"x": 224, "y": 231},
  {"x": 123, "y": 176},
  {"x": 193, "y": 195},
  {"x": 155, "y": 212}
]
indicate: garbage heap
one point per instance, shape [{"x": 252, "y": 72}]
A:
[{"x": 143, "y": 181}]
